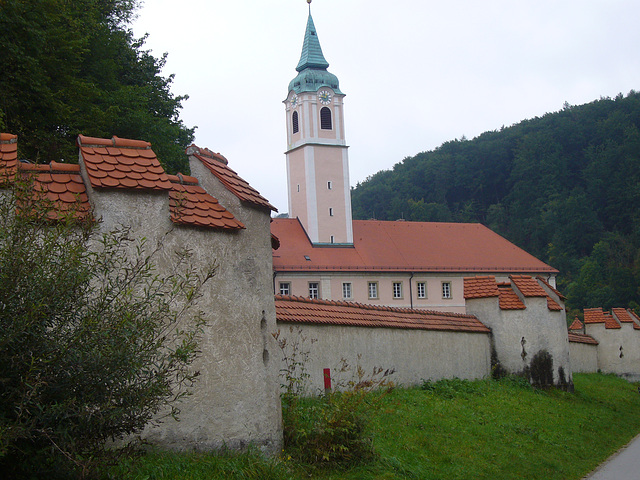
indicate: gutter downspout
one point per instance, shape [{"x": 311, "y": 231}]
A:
[{"x": 274, "y": 282}]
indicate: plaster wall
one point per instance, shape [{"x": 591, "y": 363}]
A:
[
  {"x": 235, "y": 401},
  {"x": 518, "y": 335},
  {"x": 416, "y": 355},
  {"x": 584, "y": 357},
  {"x": 618, "y": 349}
]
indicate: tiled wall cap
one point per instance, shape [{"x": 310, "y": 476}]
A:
[
  {"x": 8, "y": 138},
  {"x": 205, "y": 152},
  {"x": 84, "y": 141}
]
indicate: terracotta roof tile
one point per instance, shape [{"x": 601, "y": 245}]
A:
[
  {"x": 596, "y": 315},
  {"x": 582, "y": 338},
  {"x": 528, "y": 286},
  {"x": 190, "y": 204},
  {"x": 8, "y": 156},
  {"x": 304, "y": 310},
  {"x": 626, "y": 316},
  {"x": 553, "y": 305},
  {"x": 509, "y": 299},
  {"x": 218, "y": 165},
  {"x": 122, "y": 163},
  {"x": 576, "y": 325},
  {"x": 553, "y": 289},
  {"x": 62, "y": 185},
  {"x": 480, "y": 287},
  {"x": 400, "y": 246}
]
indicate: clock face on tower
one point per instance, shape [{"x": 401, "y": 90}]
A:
[
  {"x": 294, "y": 101},
  {"x": 324, "y": 96}
]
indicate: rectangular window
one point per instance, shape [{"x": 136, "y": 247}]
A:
[
  {"x": 298, "y": 187},
  {"x": 422, "y": 289},
  {"x": 285, "y": 288},
  {"x": 446, "y": 289},
  {"x": 329, "y": 185},
  {"x": 330, "y": 212},
  {"x": 346, "y": 291},
  {"x": 314, "y": 290},
  {"x": 332, "y": 239},
  {"x": 397, "y": 289},
  {"x": 373, "y": 289}
]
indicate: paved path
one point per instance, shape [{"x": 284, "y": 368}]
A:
[{"x": 623, "y": 465}]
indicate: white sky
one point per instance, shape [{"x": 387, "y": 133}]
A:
[{"x": 416, "y": 73}]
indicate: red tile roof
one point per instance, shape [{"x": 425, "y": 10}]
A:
[
  {"x": 553, "y": 305},
  {"x": 218, "y": 165},
  {"x": 60, "y": 183},
  {"x": 8, "y": 155},
  {"x": 596, "y": 315},
  {"x": 582, "y": 338},
  {"x": 63, "y": 187},
  {"x": 509, "y": 299},
  {"x": 553, "y": 289},
  {"x": 122, "y": 163},
  {"x": 636, "y": 318},
  {"x": 626, "y": 316},
  {"x": 190, "y": 204},
  {"x": 480, "y": 287},
  {"x": 576, "y": 325},
  {"x": 404, "y": 246},
  {"x": 528, "y": 286},
  {"x": 324, "y": 312}
]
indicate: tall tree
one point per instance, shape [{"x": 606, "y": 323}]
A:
[{"x": 75, "y": 67}]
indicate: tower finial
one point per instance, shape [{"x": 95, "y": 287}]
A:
[{"x": 309, "y": 2}]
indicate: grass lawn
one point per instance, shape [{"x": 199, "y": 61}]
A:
[{"x": 454, "y": 430}]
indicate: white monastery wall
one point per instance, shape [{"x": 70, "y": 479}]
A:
[
  {"x": 518, "y": 335},
  {"x": 618, "y": 349},
  {"x": 235, "y": 401},
  {"x": 584, "y": 357},
  {"x": 415, "y": 355}
]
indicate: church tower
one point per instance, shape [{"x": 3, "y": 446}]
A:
[{"x": 317, "y": 160}]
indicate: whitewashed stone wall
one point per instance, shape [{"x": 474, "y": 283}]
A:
[
  {"x": 236, "y": 399},
  {"x": 415, "y": 355}
]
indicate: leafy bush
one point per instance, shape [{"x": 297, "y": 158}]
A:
[
  {"x": 329, "y": 429},
  {"x": 92, "y": 340}
]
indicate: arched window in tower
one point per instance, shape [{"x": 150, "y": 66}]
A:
[
  {"x": 294, "y": 121},
  {"x": 325, "y": 118}
]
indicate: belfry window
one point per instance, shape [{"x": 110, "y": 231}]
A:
[
  {"x": 325, "y": 118},
  {"x": 294, "y": 121}
]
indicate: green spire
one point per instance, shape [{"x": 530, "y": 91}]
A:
[
  {"x": 312, "y": 66},
  {"x": 311, "y": 52}
]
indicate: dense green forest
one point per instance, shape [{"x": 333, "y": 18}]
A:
[
  {"x": 565, "y": 187},
  {"x": 74, "y": 67}
]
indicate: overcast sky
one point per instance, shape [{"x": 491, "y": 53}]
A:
[{"x": 415, "y": 73}]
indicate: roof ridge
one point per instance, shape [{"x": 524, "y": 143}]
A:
[
  {"x": 193, "y": 149},
  {"x": 366, "y": 306},
  {"x": 115, "y": 141}
]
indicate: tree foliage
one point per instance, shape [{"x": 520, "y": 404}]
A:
[
  {"x": 93, "y": 341},
  {"x": 565, "y": 187},
  {"x": 71, "y": 68}
]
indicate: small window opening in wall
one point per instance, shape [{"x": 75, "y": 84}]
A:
[
  {"x": 446, "y": 289},
  {"x": 298, "y": 187},
  {"x": 346, "y": 291},
  {"x": 422, "y": 290},
  {"x": 325, "y": 118},
  {"x": 294, "y": 120},
  {"x": 397, "y": 289},
  {"x": 373, "y": 289},
  {"x": 314, "y": 290},
  {"x": 329, "y": 185},
  {"x": 332, "y": 239},
  {"x": 330, "y": 212},
  {"x": 285, "y": 288}
]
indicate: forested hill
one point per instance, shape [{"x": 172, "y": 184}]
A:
[{"x": 565, "y": 187}]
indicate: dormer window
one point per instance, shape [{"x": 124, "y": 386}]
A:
[
  {"x": 325, "y": 118},
  {"x": 294, "y": 121}
]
